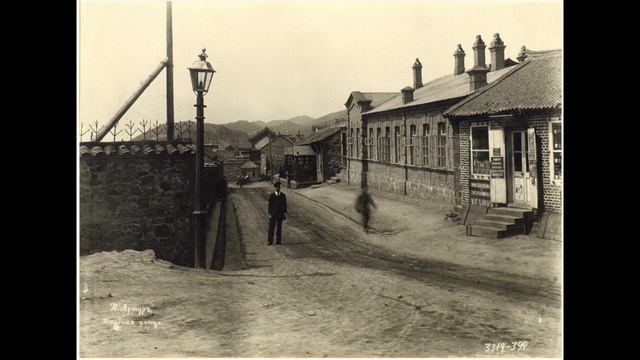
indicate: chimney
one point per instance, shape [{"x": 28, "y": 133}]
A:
[
  {"x": 522, "y": 55},
  {"x": 497, "y": 52},
  {"x": 417, "y": 74},
  {"x": 458, "y": 55},
  {"x": 478, "y": 74},
  {"x": 407, "y": 94}
]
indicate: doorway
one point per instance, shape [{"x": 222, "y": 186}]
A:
[{"x": 519, "y": 169}]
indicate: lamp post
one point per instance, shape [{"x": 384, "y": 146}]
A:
[{"x": 201, "y": 75}]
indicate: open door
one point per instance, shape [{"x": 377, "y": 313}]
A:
[{"x": 533, "y": 168}]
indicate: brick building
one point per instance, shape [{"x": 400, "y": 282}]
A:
[
  {"x": 510, "y": 147},
  {"x": 403, "y": 144}
]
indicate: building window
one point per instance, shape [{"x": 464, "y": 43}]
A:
[
  {"x": 377, "y": 143},
  {"x": 423, "y": 158},
  {"x": 441, "y": 146},
  {"x": 555, "y": 142},
  {"x": 384, "y": 146},
  {"x": 398, "y": 144},
  {"x": 480, "y": 150},
  {"x": 369, "y": 143},
  {"x": 351, "y": 144},
  {"x": 410, "y": 144},
  {"x": 357, "y": 141}
]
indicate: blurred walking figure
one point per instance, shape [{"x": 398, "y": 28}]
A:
[{"x": 364, "y": 203}]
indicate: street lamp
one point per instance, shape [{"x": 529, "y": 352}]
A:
[{"x": 201, "y": 75}]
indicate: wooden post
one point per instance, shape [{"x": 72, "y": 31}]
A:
[
  {"x": 130, "y": 101},
  {"x": 170, "y": 124}
]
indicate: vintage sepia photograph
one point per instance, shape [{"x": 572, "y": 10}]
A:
[{"x": 320, "y": 179}]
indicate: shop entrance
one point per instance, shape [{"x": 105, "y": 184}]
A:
[{"x": 518, "y": 192}]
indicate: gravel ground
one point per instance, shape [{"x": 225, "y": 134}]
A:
[{"x": 329, "y": 291}]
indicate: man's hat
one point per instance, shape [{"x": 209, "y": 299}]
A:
[{"x": 277, "y": 183}]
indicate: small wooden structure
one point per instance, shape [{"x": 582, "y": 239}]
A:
[
  {"x": 251, "y": 169},
  {"x": 299, "y": 166}
]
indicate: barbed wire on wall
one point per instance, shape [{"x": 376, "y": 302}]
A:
[
  {"x": 82, "y": 133},
  {"x": 145, "y": 130},
  {"x": 94, "y": 130},
  {"x": 114, "y": 131},
  {"x": 130, "y": 130},
  {"x": 157, "y": 129}
]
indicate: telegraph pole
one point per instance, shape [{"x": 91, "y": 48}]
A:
[{"x": 170, "y": 124}]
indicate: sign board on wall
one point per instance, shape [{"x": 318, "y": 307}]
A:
[{"x": 497, "y": 167}]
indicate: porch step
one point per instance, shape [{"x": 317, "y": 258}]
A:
[
  {"x": 518, "y": 220},
  {"x": 336, "y": 179},
  {"x": 331, "y": 181},
  {"x": 510, "y": 211},
  {"x": 486, "y": 231},
  {"x": 501, "y": 222}
]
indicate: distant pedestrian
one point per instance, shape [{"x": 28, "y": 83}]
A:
[
  {"x": 364, "y": 203},
  {"x": 277, "y": 213}
]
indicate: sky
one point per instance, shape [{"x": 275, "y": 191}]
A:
[{"x": 278, "y": 59}]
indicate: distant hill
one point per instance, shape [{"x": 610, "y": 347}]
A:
[
  {"x": 301, "y": 120},
  {"x": 237, "y": 133},
  {"x": 330, "y": 119},
  {"x": 302, "y": 124},
  {"x": 247, "y": 127}
]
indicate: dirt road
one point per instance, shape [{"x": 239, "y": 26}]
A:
[{"x": 324, "y": 293}]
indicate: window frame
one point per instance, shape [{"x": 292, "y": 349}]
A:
[
  {"x": 471, "y": 150},
  {"x": 552, "y": 153}
]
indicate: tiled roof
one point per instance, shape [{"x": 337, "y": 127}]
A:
[
  {"x": 249, "y": 165},
  {"x": 535, "y": 84},
  {"x": 319, "y": 136},
  {"x": 264, "y": 132},
  {"x": 443, "y": 88},
  {"x": 376, "y": 98},
  {"x": 102, "y": 149},
  {"x": 288, "y": 138}
]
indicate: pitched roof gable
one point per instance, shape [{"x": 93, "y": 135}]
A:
[{"x": 535, "y": 84}]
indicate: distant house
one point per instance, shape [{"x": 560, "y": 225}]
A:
[
  {"x": 251, "y": 169},
  {"x": 327, "y": 147},
  {"x": 234, "y": 156},
  {"x": 261, "y": 138},
  {"x": 299, "y": 166},
  {"x": 272, "y": 154},
  {"x": 237, "y": 152}
]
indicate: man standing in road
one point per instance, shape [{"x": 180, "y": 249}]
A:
[{"x": 277, "y": 213}]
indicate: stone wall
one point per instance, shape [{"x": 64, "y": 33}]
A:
[
  {"x": 138, "y": 201},
  {"x": 332, "y": 155},
  {"x": 432, "y": 185},
  {"x": 412, "y": 181}
]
